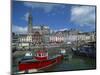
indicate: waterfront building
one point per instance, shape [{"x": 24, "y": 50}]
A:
[
  {"x": 24, "y": 40},
  {"x": 56, "y": 37},
  {"x": 36, "y": 38},
  {"x": 14, "y": 40},
  {"x": 72, "y": 36}
]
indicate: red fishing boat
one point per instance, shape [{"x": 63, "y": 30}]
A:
[{"x": 41, "y": 60}]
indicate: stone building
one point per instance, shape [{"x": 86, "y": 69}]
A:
[{"x": 35, "y": 35}]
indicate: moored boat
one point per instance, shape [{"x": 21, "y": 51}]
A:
[{"x": 41, "y": 60}]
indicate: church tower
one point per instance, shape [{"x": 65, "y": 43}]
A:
[{"x": 30, "y": 22}]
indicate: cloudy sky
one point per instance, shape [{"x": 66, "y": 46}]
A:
[{"x": 56, "y": 16}]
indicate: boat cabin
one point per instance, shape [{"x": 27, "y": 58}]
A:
[
  {"x": 63, "y": 51},
  {"x": 28, "y": 54},
  {"x": 41, "y": 55}
]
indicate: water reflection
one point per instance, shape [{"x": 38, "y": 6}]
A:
[{"x": 76, "y": 63}]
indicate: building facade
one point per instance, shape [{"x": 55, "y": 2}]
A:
[
  {"x": 39, "y": 34},
  {"x": 35, "y": 36},
  {"x": 56, "y": 38}
]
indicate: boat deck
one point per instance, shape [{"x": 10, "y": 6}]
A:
[{"x": 32, "y": 59}]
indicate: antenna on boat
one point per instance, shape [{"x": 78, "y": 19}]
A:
[
  {"x": 43, "y": 46},
  {"x": 42, "y": 38},
  {"x": 29, "y": 45}
]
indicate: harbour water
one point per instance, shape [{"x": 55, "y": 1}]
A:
[
  {"x": 75, "y": 63},
  {"x": 69, "y": 63}
]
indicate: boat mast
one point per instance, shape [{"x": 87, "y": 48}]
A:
[
  {"x": 29, "y": 46},
  {"x": 42, "y": 28}
]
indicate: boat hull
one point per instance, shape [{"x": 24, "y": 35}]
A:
[{"x": 25, "y": 66}]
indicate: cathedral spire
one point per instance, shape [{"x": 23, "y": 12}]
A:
[{"x": 30, "y": 22}]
